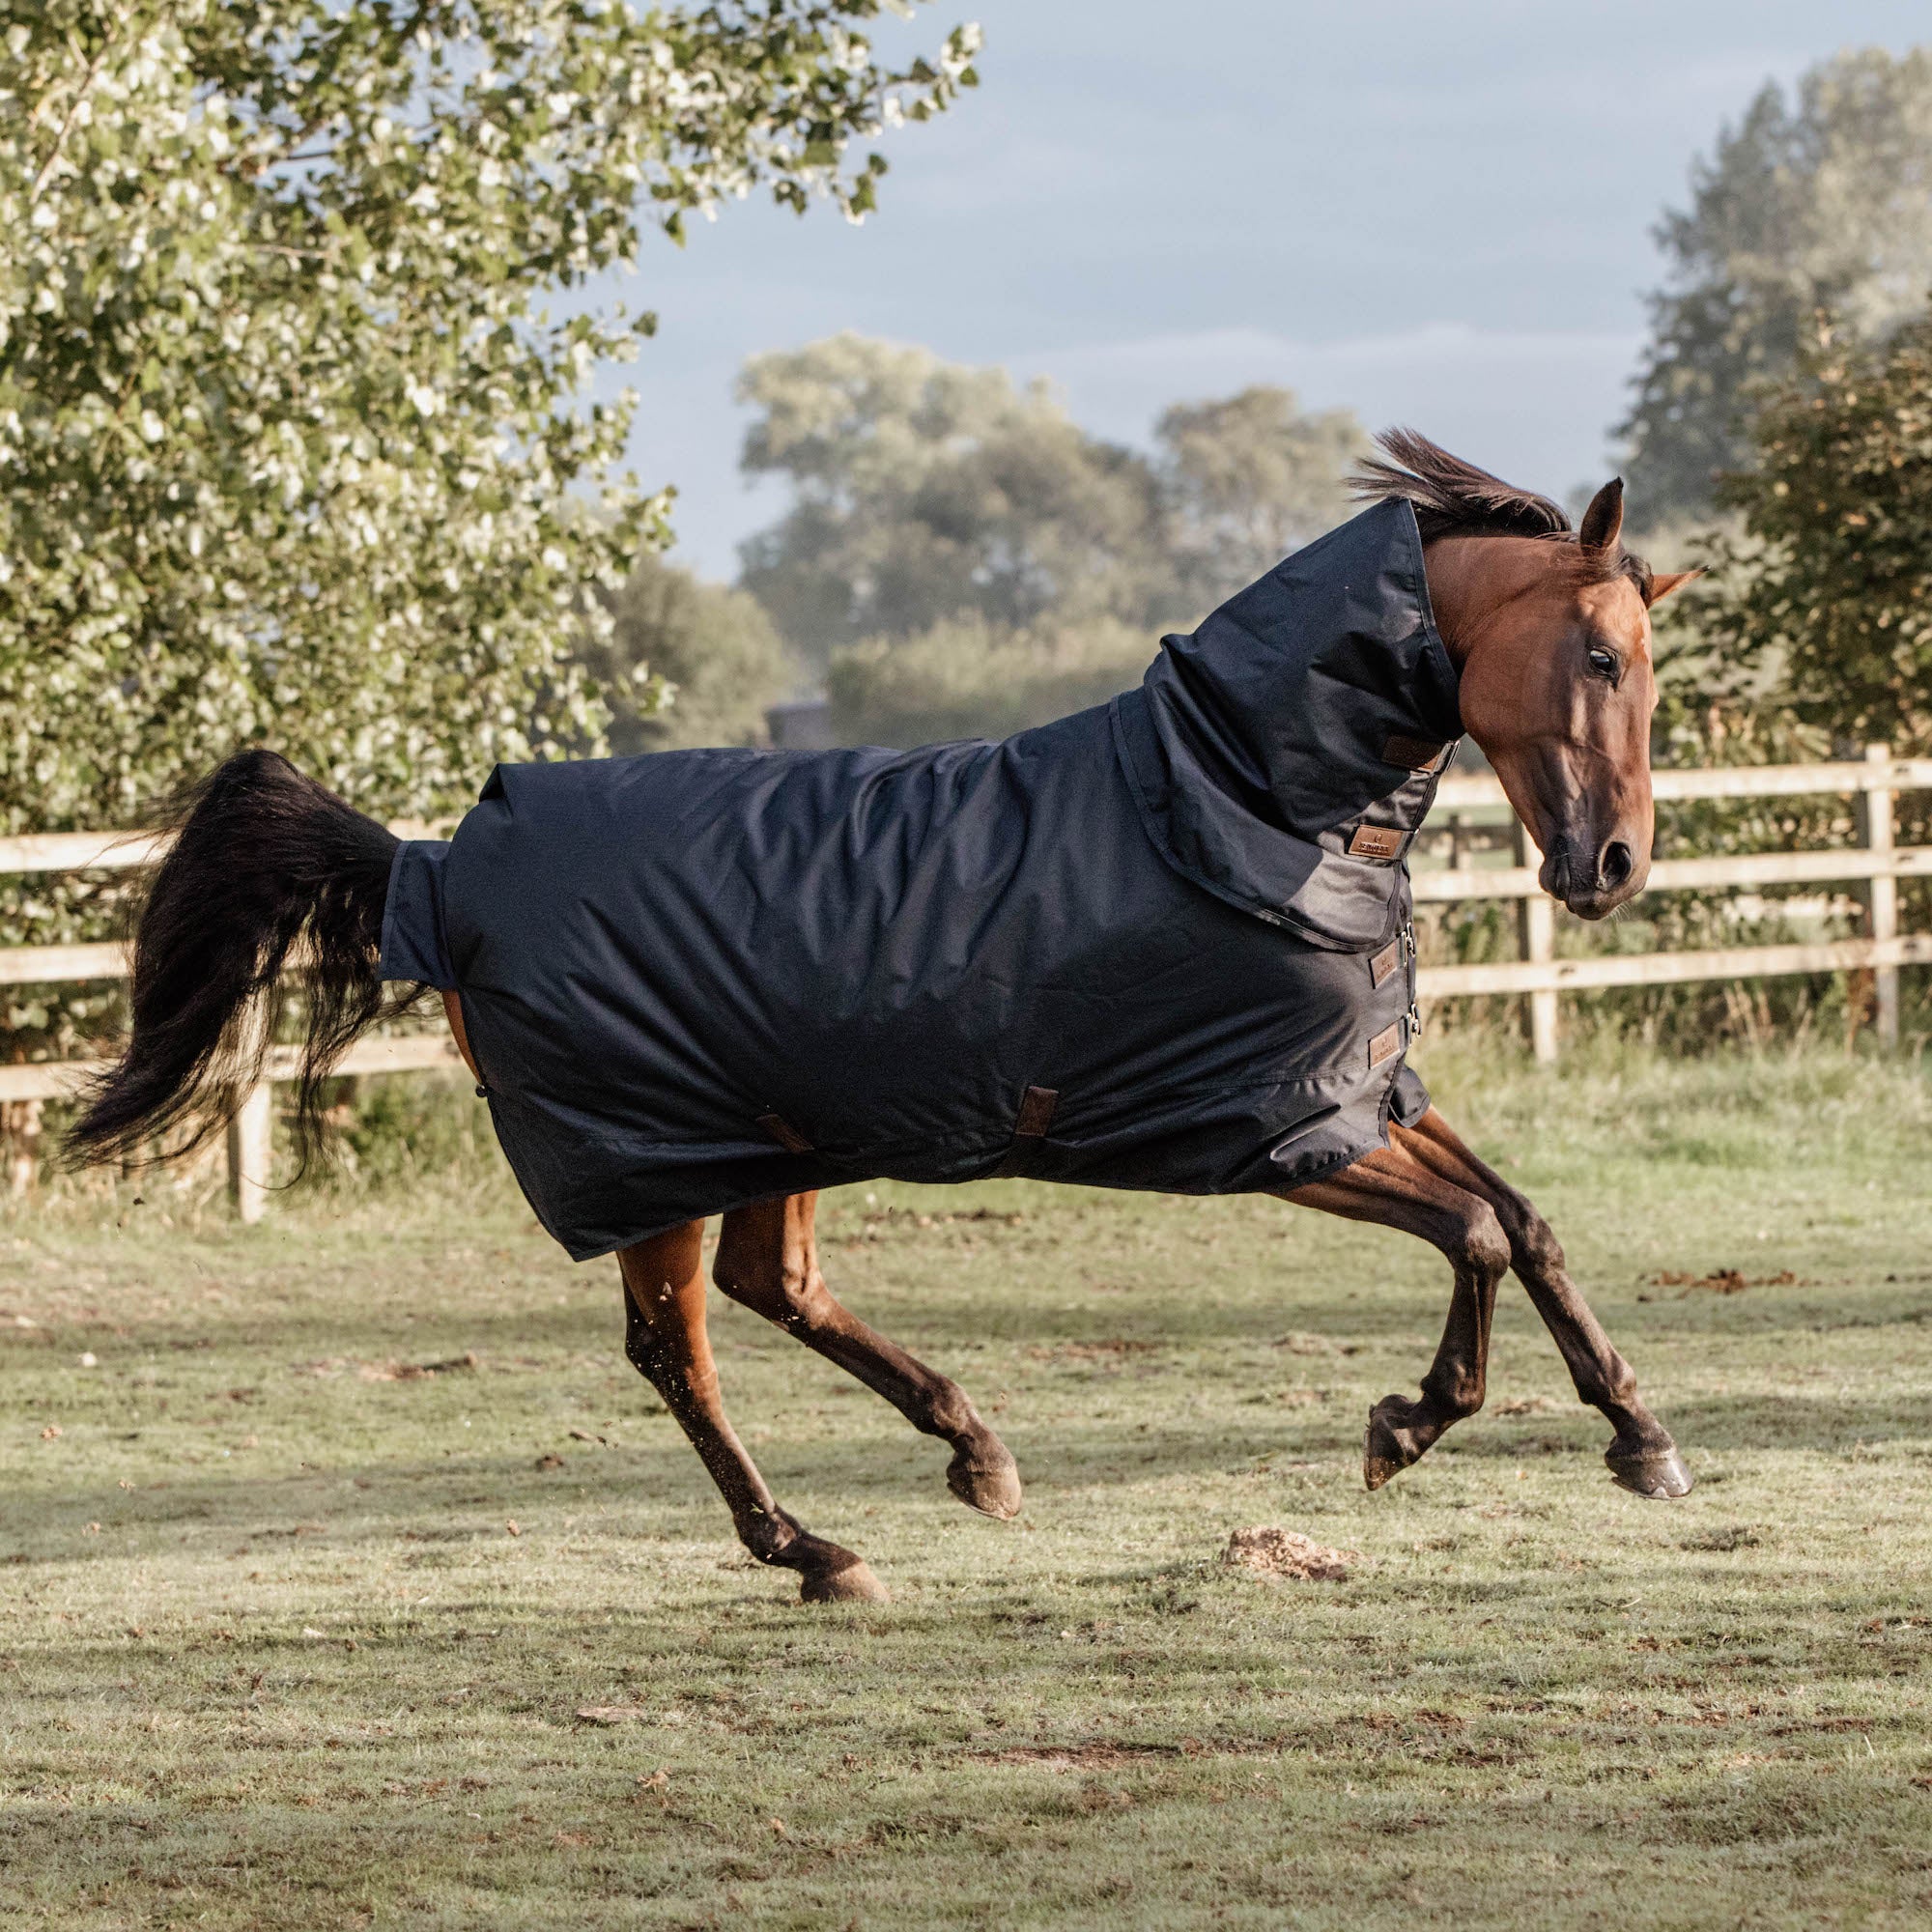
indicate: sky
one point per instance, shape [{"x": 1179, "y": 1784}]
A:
[{"x": 1437, "y": 214}]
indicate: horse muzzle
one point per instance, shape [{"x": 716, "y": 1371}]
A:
[{"x": 1595, "y": 887}]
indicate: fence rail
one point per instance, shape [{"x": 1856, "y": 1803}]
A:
[{"x": 1874, "y": 865}]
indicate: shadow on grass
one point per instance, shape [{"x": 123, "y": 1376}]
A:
[{"x": 436, "y": 1502}]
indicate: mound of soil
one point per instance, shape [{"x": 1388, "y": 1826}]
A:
[{"x": 1284, "y": 1555}]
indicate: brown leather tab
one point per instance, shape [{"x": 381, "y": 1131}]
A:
[
  {"x": 1387, "y": 1044},
  {"x": 784, "y": 1133},
  {"x": 1386, "y": 962},
  {"x": 1415, "y": 754},
  {"x": 1036, "y": 1113},
  {"x": 1374, "y": 842}
]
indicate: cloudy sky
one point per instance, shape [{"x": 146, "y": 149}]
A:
[{"x": 1435, "y": 213}]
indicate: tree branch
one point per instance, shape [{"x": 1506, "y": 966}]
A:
[{"x": 80, "y": 94}]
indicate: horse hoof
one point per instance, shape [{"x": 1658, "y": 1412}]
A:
[
  {"x": 1383, "y": 1453},
  {"x": 855, "y": 1584},
  {"x": 987, "y": 1481},
  {"x": 1656, "y": 1473}
]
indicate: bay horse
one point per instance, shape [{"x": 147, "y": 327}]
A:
[{"x": 1240, "y": 816}]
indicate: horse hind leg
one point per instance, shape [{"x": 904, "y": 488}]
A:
[
  {"x": 768, "y": 1260},
  {"x": 665, "y": 1341},
  {"x": 1393, "y": 1189}
]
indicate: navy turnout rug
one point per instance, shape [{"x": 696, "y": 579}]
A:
[{"x": 1162, "y": 944}]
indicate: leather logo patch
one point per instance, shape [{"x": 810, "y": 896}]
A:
[
  {"x": 1374, "y": 842},
  {"x": 1387, "y": 1044},
  {"x": 1384, "y": 963},
  {"x": 1036, "y": 1113},
  {"x": 784, "y": 1133},
  {"x": 1414, "y": 755}
]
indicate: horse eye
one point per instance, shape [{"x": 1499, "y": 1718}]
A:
[{"x": 1603, "y": 663}]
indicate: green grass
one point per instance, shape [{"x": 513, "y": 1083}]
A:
[{"x": 271, "y": 1655}]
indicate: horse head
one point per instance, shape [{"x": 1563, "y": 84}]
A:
[{"x": 1549, "y": 632}]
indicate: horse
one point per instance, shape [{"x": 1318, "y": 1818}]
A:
[{"x": 1140, "y": 904}]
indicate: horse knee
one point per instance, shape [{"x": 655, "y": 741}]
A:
[
  {"x": 1534, "y": 1249},
  {"x": 1480, "y": 1245},
  {"x": 769, "y": 1535}
]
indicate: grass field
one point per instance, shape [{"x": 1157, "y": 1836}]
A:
[{"x": 292, "y": 1638}]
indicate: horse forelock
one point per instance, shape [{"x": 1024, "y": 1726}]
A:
[{"x": 1452, "y": 497}]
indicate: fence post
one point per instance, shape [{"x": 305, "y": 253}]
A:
[
  {"x": 250, "y": 1148},
  {"x": 1536, "y": 928},
  {"x": 1881, "y": 897},
  {"x": 251, "y": 1133}
]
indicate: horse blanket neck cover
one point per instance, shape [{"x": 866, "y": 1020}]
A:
[{"x": 1162, "y": 944}]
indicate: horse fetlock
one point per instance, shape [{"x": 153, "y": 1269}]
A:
[
  {"x": 1614, "y": 1391},
  {"x": 1455, "y": 1395},
  {"x": 776, "y": 1537},
  {"x": 950, "y": 1412}
]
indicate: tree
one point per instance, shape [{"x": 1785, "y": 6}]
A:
[
  {"x": 960, "y": 558},
  {"x": 716, "y": 650},
  {"x": 1821, "y": 202},
  {"x": 290, "y": 450},
  {"x": 1828, "y": 588},
  {"x": 966, "y": 679},
  {"x": 924, "y": 492},
  {"x": 1249, "y": 479}
]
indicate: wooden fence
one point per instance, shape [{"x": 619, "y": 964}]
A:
[{"x": 1874, "y": 865}]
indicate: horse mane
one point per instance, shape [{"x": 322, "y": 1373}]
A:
[{"x": 1454, "y": 498}]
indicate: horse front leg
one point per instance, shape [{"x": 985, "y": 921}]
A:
[
  {"x": 1641, "y": 1456},
  {"x": 1394, "y": 1189},
  {"x": 666, "y": 1340}
]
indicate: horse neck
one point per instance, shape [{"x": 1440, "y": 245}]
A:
[{"x": 1474, "y": 580}]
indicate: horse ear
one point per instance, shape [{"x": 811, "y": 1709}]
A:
[
  {"x": 1665, "y": 582},
  {"x": 1603, "y": 520}
]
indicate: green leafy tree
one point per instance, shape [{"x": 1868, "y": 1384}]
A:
[
  {"x": 968, "y": 678},
  {"x": 959, "y": 559},
  {"x": 715, "y": 649},
  {"x": 1249, "y": 479},
  {"x": 1822, "y": 603},
  {"x": 1820, "y": 201},
  {"x": 924, "y": 492},
  {"x": 291, "y": 449}
]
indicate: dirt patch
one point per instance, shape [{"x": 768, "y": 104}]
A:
[
  {"x": 1104, "y": 1355},
  {"x": 416, "y": 1371},
  {"x": 1316, "y": 1345},
  {"x": 1729, "y": 1281},
  {"x": 1281, "y": 1555}
]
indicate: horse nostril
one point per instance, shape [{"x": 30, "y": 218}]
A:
[{"x": 1616, "y": 865}]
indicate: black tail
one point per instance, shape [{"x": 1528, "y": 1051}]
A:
[{"x": 269, "y": 870}]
